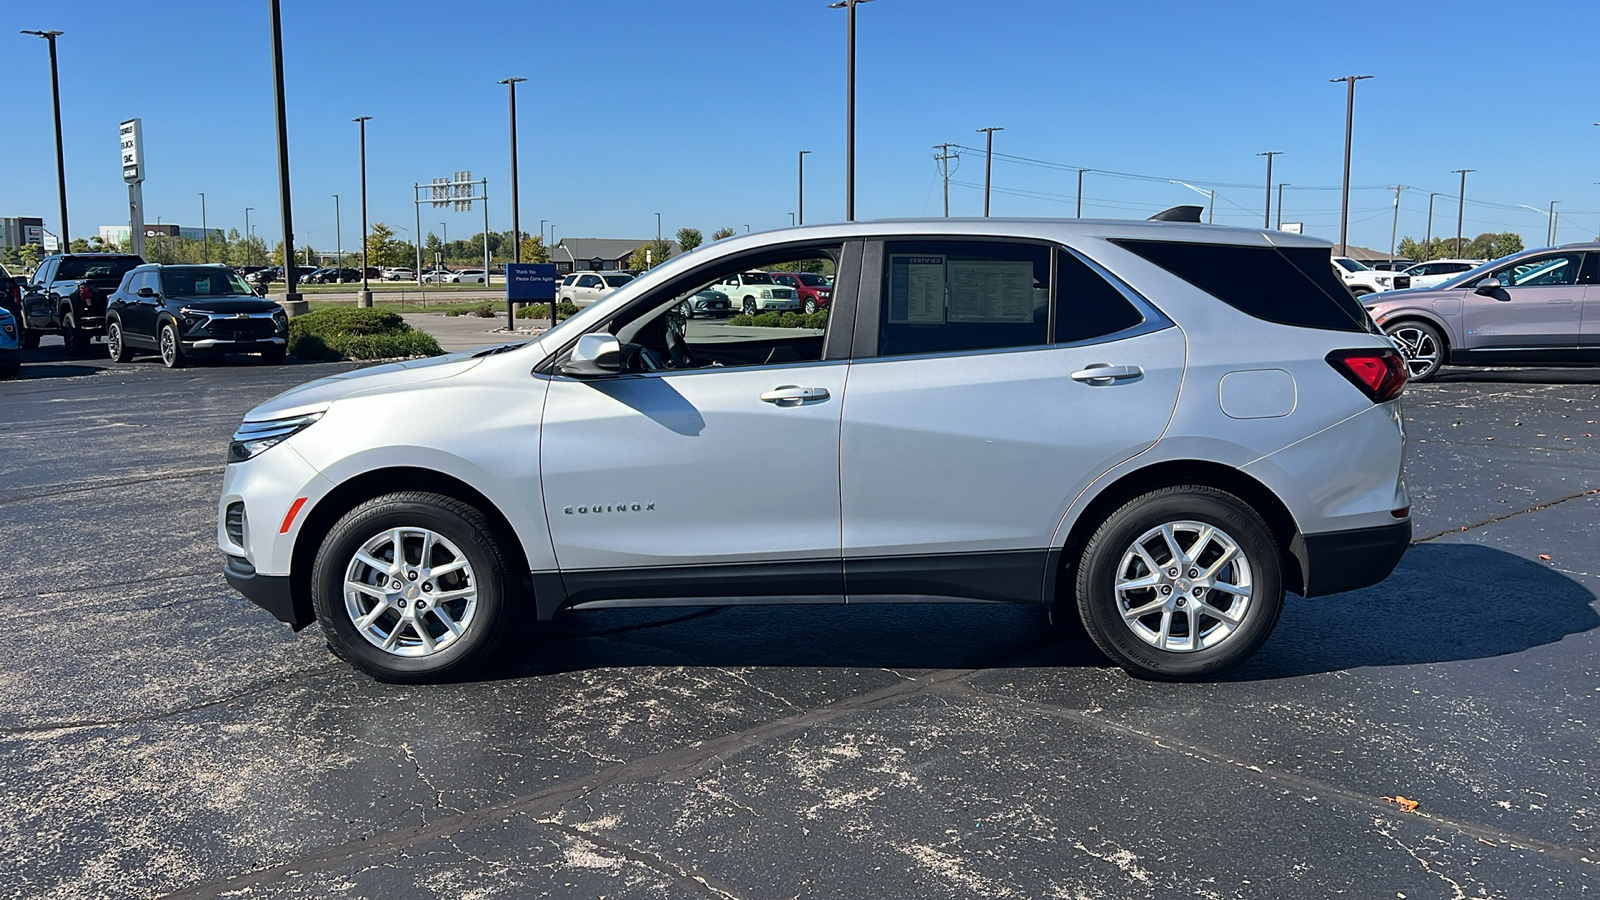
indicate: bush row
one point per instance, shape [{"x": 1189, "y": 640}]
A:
[
  {"x": 357, "y": 333},
  {"x": 539, "y": 310},
  {"x": 818, "y": 319}
]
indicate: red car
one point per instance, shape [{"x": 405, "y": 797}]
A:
[{"x": 814, "y": 291}]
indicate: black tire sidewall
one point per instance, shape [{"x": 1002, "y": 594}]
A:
[
  {"x": 435, "y": 513},
  {"x": 1438, "y": 342},
  {"x": 177, "y": 346},
  {"x": 116, "y": 345},
  {"x": 1097, "y": 574}
]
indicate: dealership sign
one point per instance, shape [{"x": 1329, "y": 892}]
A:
[{"x": 132, "y": 151}]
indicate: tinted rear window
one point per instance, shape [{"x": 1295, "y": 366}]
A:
[
  {"x": 97, "y": 266},
  {"x": 1289, "y": 286}
]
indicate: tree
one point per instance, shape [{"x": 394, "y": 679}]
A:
[
  {"x": 1493, "y": 246},
  {"x": 78, "y": 245},
  {"x": 534, "y": 250},
  {"x": 690, "y": 238},
  {"x": 721, "y": 233},
  {"x": 649, "y": 256},
  {"x": 1422, "y": 251},
  {"x": 384, "y": 249}
]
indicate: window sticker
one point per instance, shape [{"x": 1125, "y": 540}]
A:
[
  {"x": 917, "y": 289},
  {"x": 991, "y": 290}
]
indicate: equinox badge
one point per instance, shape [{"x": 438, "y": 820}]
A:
[{"x": 609, "y": 508}]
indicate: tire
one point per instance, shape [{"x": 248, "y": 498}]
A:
[
  {"x": 10, "y": 367},
  {"x": 76, "y": 339},
  {"x": 749, "y": 307},
  {"x": 1361, "y": 291},
  {"x": 115, "y": 348},
  {"x": 811, "y": 305},
  {"x": 29, "y": 339},
  {"x": 171, "y": 348},
  {"x": 397, "y": 643},
  {"x": 1422, "y": 345},
  {"x": 274, "y": 357},
  {"x": 1215, "y": 530}
]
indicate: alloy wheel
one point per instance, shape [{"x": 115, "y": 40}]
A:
[
  {"x": 169, "y": 347},
  {"x": 1184, "y": 586},
  {"x": 410, "y": 592},
  {"x": 1420, "y": 348}
]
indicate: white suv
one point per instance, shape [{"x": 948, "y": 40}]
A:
[
  {"x": 1157, "y": 429},
  {"x": 1363, "y": 280},
  {"x": 583, "y": 288},
  {"x": 758, "y": 292}
]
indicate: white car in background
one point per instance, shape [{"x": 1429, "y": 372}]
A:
[
  {"x": 469, "y": 276},
  {"x": 758, "y": 292},
  {"x": 583, "y": 288},
  {"x": 1435, "y": 272},
  {"x": 399, "y": 274},
  {"x": 1362, "y": 280}
]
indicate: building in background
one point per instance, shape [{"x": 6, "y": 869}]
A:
[
  {"x": 598, "y": 254},
  {"x": 16, "y": 231},
  {"x": 116, "y": 234}
]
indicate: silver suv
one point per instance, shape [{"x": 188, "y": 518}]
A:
[{"x": 1157, "y": 429}]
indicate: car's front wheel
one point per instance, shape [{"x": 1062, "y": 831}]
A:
[
  {"x": 1361, "y": 291},
  {"x": 749, "y": 306},
  {"x": 1422, "y": 345},
  {"x": 1180, "y": 584},
  {"x": 413, "y": 587},
  {"x": 171, "y": 349},
  {"x": 115, "y": 347}
]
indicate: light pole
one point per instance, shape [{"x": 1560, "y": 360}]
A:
[
  {"x": 61, "y": 164},
  {"x": 988, "y": 166},
  {"x": 338, "y": 238},
  {"x": 291, "y": 272},
  {"x": 802, "y": 188},
  {"x": 1266, "y": 221},
  {"x": 1552, "y": 241},
  {"x": 1281, "y": 186},
  {"x": 1349, "y": 125},
  {"x": 791, "y": 220},
  {"x": 1080, "y": 191},
  {"x": 444, "y": 244},
  {"x": 249, "y": 248},
  {"x": 1428, "y": 235},
  {"x": 364, "y": 296},
  {"x": 747, "y": 229},
  {"x": 1461, "y": 205},
  {"x": 541, "y": 230},
  {"x": 658, "y": 228},
  {"x": 516, "y": 221},
  {"x": 849, "y": 6},
  {"x": 205, "y": 236}
]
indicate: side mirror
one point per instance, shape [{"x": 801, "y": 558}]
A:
[
  {"x": 1488, "y": 286},
  {"x": 146, "y": 292},
  {"x": 596, "y": 354}
]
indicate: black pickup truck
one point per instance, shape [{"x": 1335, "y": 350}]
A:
[{"x": 68, "y": 297}]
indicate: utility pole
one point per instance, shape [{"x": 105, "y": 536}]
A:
[
  {"x": 849, "y": 6},
  {"x": 61, "y": 164},
  {"x": 205, "y": 236},
  {"x": 1080, "y": 191},
  {"x": 1428, "y": 239},
  {"x": 249, "y": 248},
  {"x": 291, "y": 271},
  {"x": 802, "y": 188},
  {"x": 1461, "y": 206},
  {"x": 516, "y": 203},
  {"x": 364, "y": 297},
  {"x": 988, "y": 167},
  {"x": 1281, "y": 186},
  {"x": 1551, "y": 242},
  {"x": 1349, "y": 127},
  {"x": 338, "y": 239},
  {"x": 1266, "y": 221},
  {"x": 658, "y": 228},
  {"x": 943, "y": 159},
  {"x": 1394, "y": 231}
]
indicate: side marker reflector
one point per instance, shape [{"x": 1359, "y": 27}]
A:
[{"x": 288, "y": 519}]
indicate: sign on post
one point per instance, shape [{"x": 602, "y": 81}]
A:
[
  {"x": 532, "y": 282},
  {"x": 132, "y": 134}
]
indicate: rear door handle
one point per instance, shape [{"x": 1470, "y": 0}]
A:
[
  {"x": 1102, "y": 373},
  {"x": 794, "y": 394}
]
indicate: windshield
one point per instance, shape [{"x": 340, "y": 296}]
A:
[
  {"x": 757, "y": 278},
  {"x": 202, "y": 282},
  {"x": 97, "y": 266},
  {"x": 1350, "y": 264},
  {"x": 616, "y": 280},
  {"x": 1469, "y": 276}
]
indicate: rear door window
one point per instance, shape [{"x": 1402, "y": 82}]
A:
[{"x": 942, "y": 296}]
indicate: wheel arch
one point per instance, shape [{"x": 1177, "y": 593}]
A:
[
  {"x": 375, "y": 483},
  {"x": 1171, "y": 473}
]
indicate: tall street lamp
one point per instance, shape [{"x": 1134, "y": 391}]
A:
[
  {"x": 658, "y": 228},
  {"x": 849, "y": 6},
  {"x": 516, "y": 218},
  {"x": 1461, "y": 205},
  {"x": 541, "y": 230},
  {"x": 364, "y": 297},
  {"x": 1552, "y": 241},
  {"x": 205, "y": 236},
  {"x": 802, "y": 188},
  {"x": 338, "y": 238},
  {"x": 61, "y": 164},
  {"x": 1281, "y": 186},
  {"x": 1080, "y": 191},
  {"x": 988, "y": 166},
  {"x": 1349, "y": 125},
  {"x": 1266, "y": 221},
  {"x": 249, "y": 249},
  {"x": 1428, "y": 235},
  {"x": 291, "y": 272}
]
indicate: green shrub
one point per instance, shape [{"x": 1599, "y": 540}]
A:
[
  {"x": 818, "y": 319},
  {"x": 484, "y": 310},
  {"x": 767, "y": 320},
  {"x": 356, "y": 333},
  {"x": 540, "y": 309},
  {"x": 741, "y": 319}
]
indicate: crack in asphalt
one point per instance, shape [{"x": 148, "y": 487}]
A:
[
  {"x": 699, "y": 884},
  {"x": 1510, "y": 515}
]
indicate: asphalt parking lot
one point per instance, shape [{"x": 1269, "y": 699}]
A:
[{"x": 159, "y": 735}]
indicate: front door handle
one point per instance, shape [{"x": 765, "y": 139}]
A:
[
  {"x": 1102, "y": 373},
  {"x": 794, "y": 395}
]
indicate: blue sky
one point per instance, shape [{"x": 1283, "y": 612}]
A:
[{"x": 696, "y": 108}]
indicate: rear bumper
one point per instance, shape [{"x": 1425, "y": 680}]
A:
[
  {"x": 270, "y": 592},
  {"x": 1336, "y": 561}
]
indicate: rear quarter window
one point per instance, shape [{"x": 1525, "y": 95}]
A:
[{"x": 1286, "y": 285}]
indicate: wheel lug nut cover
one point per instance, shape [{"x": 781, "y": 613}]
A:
[{"x": 411, "y": 575}]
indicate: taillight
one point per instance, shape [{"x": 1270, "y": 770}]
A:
[
  {"x": 1380, "y": 374},
  {"x": 84, "y": 293}
]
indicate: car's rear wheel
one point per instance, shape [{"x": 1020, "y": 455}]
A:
[
  {"x": 77, "y": 340},
  {"x": 1181, "y": 584},
  {"x": 413, "y": 587},
  {"x": 171, "y": 349},
  {"x": 29, "y": 339},
  {"x": 10, "y": 366},
  {"x": 1422, "y": 345},
  {"x": 115, "y": 348}
]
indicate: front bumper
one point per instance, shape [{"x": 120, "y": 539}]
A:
[
  {"x": 1336, "y": 561},
  {"x": 216, "y": 345},
  {"x": 270, "y": 592}
]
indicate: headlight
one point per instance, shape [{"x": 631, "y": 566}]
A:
[
  {"x": 9, "y": 329},
  {"x": 1383, "y": 279},
  {"x": 281, "y": 319},
  {"x": 766, "y": 293},
  {"x": 254, "y": 438}
]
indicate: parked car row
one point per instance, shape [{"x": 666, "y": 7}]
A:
[{"x": 749, "y": 293}]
